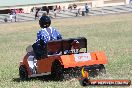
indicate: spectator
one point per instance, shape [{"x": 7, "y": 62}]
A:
[
  {"x": 47, "y": 10},
  {"x": 59, "y": 8},
  {"x": 36, "y": 14},
  {"x": 32, "y": 9},
  {"x": 5, "y": 20},
  {"x": 74, "y": 6},
  {"x": 17, "y": 11},
  {"x": 86, "y": 9},
  {"x": 21, "y": 10},
  {"x": 83, "y": 11},
  {"x": 14, "y": 14},
  {"x": 64, "y": 8},
  {"x": 79, "y": 11},
  {"x": 11, "y": 15},
  {"x": 70, "y": 7},
  {"x": 56, "y": 7},
  {"x": 76, "y": 12},
  {"x": 55, "y": 12}
]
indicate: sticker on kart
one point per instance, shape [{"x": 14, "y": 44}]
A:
[{"x": 82, "y": 57}]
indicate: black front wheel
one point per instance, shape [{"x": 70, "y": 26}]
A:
[{"x": 23, "y": 73}]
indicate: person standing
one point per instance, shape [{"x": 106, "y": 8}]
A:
[
  {"x": 47, "y": 10},
  {"x": 36, "y": 14},
  {"x": 11, "y": 16},
  {"x": 64, "y": 8},
  {"x": 86, "y": 9},
  {"x": 59, "y": 8},
  {"x": 14, "y": 14},
  {"x": 55, "y": 12}
]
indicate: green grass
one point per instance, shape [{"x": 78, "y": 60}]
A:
[{"x": 111, "y": 34}]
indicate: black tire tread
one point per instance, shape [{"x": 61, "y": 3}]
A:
[{"x": 23, "y": 72}]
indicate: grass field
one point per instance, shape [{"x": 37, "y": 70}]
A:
[{"x": 111, "y": 33}]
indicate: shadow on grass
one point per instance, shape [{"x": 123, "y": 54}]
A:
[{"x": 42, "y": 78}]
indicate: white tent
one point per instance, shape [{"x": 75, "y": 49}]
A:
[{"x": 28, "y": 2}]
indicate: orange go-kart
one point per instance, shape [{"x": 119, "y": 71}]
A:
[{"x": 61, "y": 59}]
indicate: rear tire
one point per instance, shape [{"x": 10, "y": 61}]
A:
[
  {"x": 23, "y": 73},
  {"x": 57, "y": 70},
  {"x": 60, "y": 73},
  {"x": 84, "y": 81},
  {"x": 102, "y": 69},
  {"x": 95, "y": 70}
]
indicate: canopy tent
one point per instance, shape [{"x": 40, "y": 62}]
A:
[{"x": 28, "y": 2}]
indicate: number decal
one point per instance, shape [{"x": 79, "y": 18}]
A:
[{"x": 82, "y": 57}]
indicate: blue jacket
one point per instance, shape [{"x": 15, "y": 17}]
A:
[{"x": 47, "y": 34}]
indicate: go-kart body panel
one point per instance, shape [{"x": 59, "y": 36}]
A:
[
  {"x": 74, "y": 60},
  {"x": 44, "y": 65}
]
